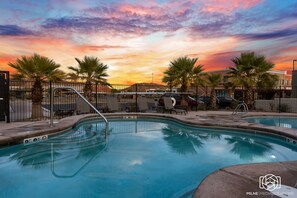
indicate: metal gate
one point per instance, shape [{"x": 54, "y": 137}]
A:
[{"x": 4, "y": 96}]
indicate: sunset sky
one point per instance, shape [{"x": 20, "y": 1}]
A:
[{"x": 138, "y": 38}]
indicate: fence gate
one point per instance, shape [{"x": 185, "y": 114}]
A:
[{"x": 4, "y": 96}]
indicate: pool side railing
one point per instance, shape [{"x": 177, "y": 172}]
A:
[{"x": 82, "y": 97}]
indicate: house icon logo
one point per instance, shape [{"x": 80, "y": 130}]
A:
[{"x": 269, "y": 182}]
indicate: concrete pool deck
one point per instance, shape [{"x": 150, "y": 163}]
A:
[
  {"x": 235, "y": 181},
  {"x": 243, "y": 181}
]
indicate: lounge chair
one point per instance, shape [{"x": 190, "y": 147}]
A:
[
  {"x": 142, "y": 104},
  {"x": 168, "y": 106}
]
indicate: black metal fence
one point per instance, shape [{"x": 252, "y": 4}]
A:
[{"x": 119, "y": 98}]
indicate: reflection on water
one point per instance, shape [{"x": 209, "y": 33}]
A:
[
  {"x": 248, "y": 148},
  {"x": 182, "y": 141},
  {"x": 82, "y": 143},
  {"x": 287, "y": 122}
]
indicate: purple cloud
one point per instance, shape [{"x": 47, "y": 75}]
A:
[
  {"x": 269, "y": 35},
  {"x": 123, "y": 18},
  {"x": 212, "y": 25},
  {"x": 14, "y": 30}
]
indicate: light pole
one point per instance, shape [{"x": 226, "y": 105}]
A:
[{"x": 294, "y": 81}]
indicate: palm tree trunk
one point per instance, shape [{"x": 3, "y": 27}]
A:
[
  {"x": 88, "y": 91},
  {"x": 230, "y": 93},
  {"x": 37, "y": 91},
  {"x": 213, "y": 101},
  {"x": 249, "y": 98},
  {"x": 184, "y": 96}
]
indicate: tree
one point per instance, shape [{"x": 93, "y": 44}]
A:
[
  {"x": 213, "y": 80},
  {"x": 39, "y": 69},
  {"x": 251, "y": 72},
  {"x": 183, "y": 72},
  {"x": 90, "y": 69},
  {"x": 73, "y": 76},
  {"x": 229, "y": 88}
]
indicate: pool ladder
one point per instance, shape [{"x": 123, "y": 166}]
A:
[
  {"x": 240, "y": 106},
  {"x": 81, "y": 96}
]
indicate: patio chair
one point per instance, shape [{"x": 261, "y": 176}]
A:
[
  {"x": 168, "y": 106},
  {"x": 142, "y": 104}
]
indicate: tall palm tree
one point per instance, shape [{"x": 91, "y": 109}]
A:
[
  {"x": 213, "y": 80},
  {"x": 251, "y": 72},
  {"x": 39, "y": 69},
  {"x": 90, "y": 69},
  {"x": 183, "y": 71}
]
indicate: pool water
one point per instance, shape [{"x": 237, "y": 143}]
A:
[
  {"x": 143, "y": 158},
  {"x": 287, "y": 122}
]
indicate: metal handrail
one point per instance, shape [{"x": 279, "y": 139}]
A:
[
  {"x": 75, "y": 173},
  {"x": 94, "y": 108},
  {"x": 242, "y": 104}
]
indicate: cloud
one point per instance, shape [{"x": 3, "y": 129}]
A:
[
  {"x": 227, "y": 6},
  {"x": 14, "y": 30},
  {"x": 269, "y": 35},
  {"x": 124, "y": 19},
  {"x": 86, "y": 48},
  {"x": 212, "y": 25}
]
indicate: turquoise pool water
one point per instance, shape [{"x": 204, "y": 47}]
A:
[
  {"x": 287, "y": 122},
  {"x": 143, "y": 158}
]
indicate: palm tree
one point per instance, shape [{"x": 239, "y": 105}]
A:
[
  {"x": 213, "y": 80},
  {"x": 251, "y": 71},
  {"x": 90, "y": 69},
  {"x": 229, "y": 88},
  {"x": 73, "y": 76},
  {"x": 39, "y": 69},
  {"x": 182, "y": 71}
]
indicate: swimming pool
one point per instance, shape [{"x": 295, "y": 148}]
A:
[
  {"x": 287, "y": 122},
  {"x": 143, "y": 158}
]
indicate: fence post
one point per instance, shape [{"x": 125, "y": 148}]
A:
[
  {"x": 96, "y": 99},
  {"x": 279, "y": 99},
  {"x": 8, "y": 100},
  {"x": 51, "y": 104},
  {"x": 136, "y": 87},
  {"x": 196, "y": 98}
]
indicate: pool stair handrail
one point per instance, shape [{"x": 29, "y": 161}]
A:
[
  {"x": 81, "y": 96},
  {"x": 242, "y": 105}
]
